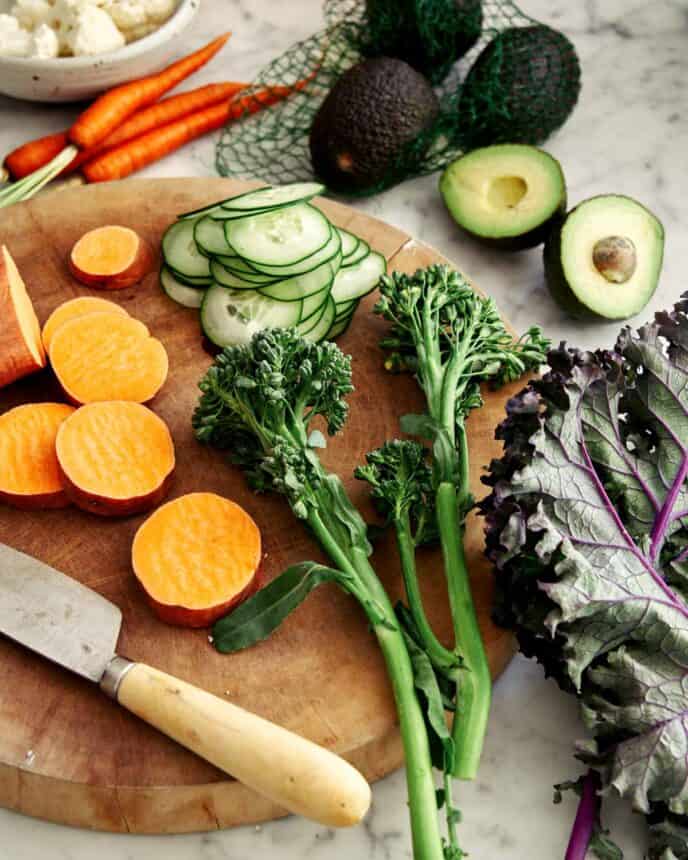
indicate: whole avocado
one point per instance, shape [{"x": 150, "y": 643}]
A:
[
  {"x": 522, "y": 87},
  {"x": 430, "y": 36},
  {"x": 373, "y": 112}
]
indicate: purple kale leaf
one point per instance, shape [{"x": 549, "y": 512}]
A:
[{"x": 587, "y": 525}]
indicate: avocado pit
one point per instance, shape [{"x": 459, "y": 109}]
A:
[{"x": 615, "y": 258}]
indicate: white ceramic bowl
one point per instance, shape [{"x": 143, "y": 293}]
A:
[{"x": 68, "y": 79}]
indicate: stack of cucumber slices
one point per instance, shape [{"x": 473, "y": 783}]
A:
[{"x": 267, "y": 259}]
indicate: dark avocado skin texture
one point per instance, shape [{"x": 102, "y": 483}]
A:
[
  {"x": 431, "y": 44},
  {"x": 369, "y": 116},
  {"x": 522, "y": 87}
]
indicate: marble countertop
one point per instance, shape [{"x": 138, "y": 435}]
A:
[{"x": 629, "y": 135}]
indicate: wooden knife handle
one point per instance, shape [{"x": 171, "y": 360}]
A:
[{"x": 295, "y": 773}]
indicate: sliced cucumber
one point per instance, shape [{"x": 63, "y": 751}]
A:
[
  {"x": 180, "y": 252},
  {"x": 210, "y": 238},
  {"x": 343, "y": 308},
  {"x": 234, "y": 214},
  {"x": 231, "y": 317},
  {"x": 329, "y": 251},
  {"x": 319, "y": 332},
  {"x": 281, "y": 237},
  {"x": 313, "y": 305},
  {"x": 339, "y": 327},
  {"x": 354, "y": 282},
  {"x": 188, "y": 297},
  {"x": 198, "y": 283},
  {"x": 361, "y": 252},
  {"x": 302, "y": 286},
  {"x": 274, "y": 196},
  {"x": 238, "y": 280},
  {"x": 349, "y": 242},
  {"x": 198, "y": 213}
]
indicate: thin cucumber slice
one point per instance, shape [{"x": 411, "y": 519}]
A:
[
  {"x": 319, "y": 332},
  {"x": 361, "y": 252},
  {"x": 354, "y": 282},
  {"x": 231, "y": 317},
  {"x": 349, "y": 242},
  {"x": 244, "y": 270},
  {"x": 187, "y": 297},
  {"x": 234, "y": 214},
  {"x": 180, "y": 252},
  {"x": 302, "y": 286},
  {"x": 210, "y": 238},
  {"x": 281, "y": 237},
  {"x": 314, "y": 304},
  {"x": 231, "y": 280},
  {"x": 198, "y": 283},
  {"x": 343, "y": 308},
  {"x": 327, "y": 252},
  {"x": 274, "y": 196},
  {"x": 339, "y": 327}
]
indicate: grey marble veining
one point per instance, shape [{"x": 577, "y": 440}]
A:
[{"x": 629, "y": 135}]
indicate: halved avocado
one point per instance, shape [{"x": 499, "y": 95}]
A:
[
  {"x": 508, "y": 196},
  {"x": 605, "y": 257}
]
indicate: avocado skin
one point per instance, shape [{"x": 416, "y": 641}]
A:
[
  {"x": 431, "y": 43},
  {"x": 555, "y": 278},
  {"x": 369, "y": 117},
  {"x": 522, "y": 87}
]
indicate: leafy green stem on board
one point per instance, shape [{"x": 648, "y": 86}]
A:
[
  {"x": 257, "y": 402},
  {"x": 452, "y": 339}
]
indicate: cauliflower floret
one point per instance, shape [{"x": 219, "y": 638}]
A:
[
  {"x": 32, "y": 13},
  {"x": 14, "y": 40},
  {"x": 160, "y": 10},
  {"x": 127, "y": 14},
  {"x": 44, "y": 43},
  {"x": 94, "y": 32}
]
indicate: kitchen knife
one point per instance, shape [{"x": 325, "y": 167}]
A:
[{"x": 77, "y": 628}]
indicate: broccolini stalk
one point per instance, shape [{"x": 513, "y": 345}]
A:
[
  {"x": 257, "y": 402},
  {"x": 452, "y": 339}
]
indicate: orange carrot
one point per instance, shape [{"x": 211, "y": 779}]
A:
[
  {"x": 133, "y": 155},
  {"x": 37, "y": 153},
  {"x": 110, "y": 110}
]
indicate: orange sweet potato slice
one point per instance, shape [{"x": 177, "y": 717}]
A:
[
  {"x": 197, "y": 557},
  {"x": 21, "y": 349},
  {"x": 29, "y": 475},
  {"x": 105, "y": 356},
  {"x": 77, "y": 308},
  {"x": 111, "y": 258},
  {"x": 116, "y": 458}
]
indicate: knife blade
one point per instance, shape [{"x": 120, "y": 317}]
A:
[{"x": 77, "y": 628}]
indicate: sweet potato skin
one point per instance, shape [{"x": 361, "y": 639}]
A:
[
  {"x": 142, "y": 264},
  {"x": 103, "y": 506},
  {"x": 16, "y": 358},
  {"x": 182, "y": 616}
]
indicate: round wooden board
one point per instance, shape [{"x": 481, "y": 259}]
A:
[{"x": 67, "y": 753}]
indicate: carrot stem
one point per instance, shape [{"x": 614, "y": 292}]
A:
[{"x": 32, "y": 184}]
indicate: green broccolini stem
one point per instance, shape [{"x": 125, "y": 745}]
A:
[
  {"x": 442, "y": 658},
  {"x": 427, "y": 841},
  {"x": 474, "y": 692}
]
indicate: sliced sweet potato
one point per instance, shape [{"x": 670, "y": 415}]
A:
[
  {"x": 21, "y": 349},
  {"x": 115, "y": 458},
  {"x": 29, "y": 475},
  {"x": 106, "y": 356},
  {"x": 197, "y": 557},
  {"x": 111, "y": 258},
  {"x": 77, "y": 308}
]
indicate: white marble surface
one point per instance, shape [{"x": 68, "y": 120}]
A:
[{"x": 628, "y": 135}]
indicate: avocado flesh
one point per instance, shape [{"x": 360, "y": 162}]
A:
[
  {"x": 507, "y": 196},
  {"x": 571, "y": 275}
]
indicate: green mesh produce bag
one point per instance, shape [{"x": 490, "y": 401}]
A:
[{"x": 273, "y": 144}]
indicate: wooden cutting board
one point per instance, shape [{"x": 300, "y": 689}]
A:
[{"x": 67, "y": 753}]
